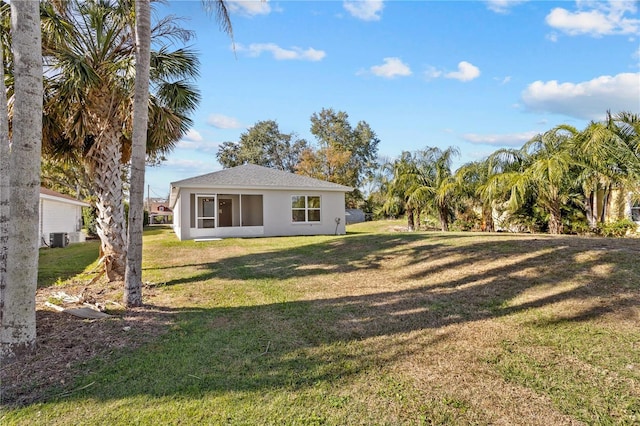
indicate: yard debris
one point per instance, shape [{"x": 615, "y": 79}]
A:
[{"x": 87, "y": 311}]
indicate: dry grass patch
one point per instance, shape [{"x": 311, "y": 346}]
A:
[{"x": 374, "y": 327}]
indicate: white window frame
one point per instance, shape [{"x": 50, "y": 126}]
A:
[
  {"x": 306, "y": 208},
  {"x": 215, "y": 210}
]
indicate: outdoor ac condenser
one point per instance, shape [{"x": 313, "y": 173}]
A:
[{"x": 58, "y": 239}]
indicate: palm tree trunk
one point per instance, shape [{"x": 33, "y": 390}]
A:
[
  {"x": 410, "y": 222},
  {"x": 444, "y": 220},
  {"x": 555, "y": 219},
  {"x": 4, "y": 186},
  {"x": 105, "y": 168},
  {"x": 590, "y": 208},
  {"x": 133, "y": 275},
  {"x": 487, "y": 220},
  {"x": 18, "y": 328}
]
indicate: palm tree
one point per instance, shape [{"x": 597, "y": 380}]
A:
[
  {"x": 133, "y": 272},
  {"x": 17, "y": 304},
  {"x": 473, "y": 181},
  {"x": 609, "y": 153},
  {"x": 88, "y": 95},
  {"x": 433, "y": 186},
  {"x": 398, "y": 190},
  {"x": 541, "y": 170}
]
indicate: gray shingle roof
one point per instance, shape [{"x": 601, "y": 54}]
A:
[{"x": 250, "y": 176}]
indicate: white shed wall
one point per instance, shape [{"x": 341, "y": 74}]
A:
[{"x": 58, "y": 217}]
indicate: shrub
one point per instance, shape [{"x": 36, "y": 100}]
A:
[{"x": 619, "y": 228}]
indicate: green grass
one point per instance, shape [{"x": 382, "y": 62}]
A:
[
  {"x": 375, "y": 327},
  {"x": 60, "y": 264}
]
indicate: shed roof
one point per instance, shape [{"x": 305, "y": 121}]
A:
[{"x": 63, "y": 198}]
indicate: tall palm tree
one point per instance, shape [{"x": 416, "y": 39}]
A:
[
  {"x": 17, "y": 304},
  {"x": 133, "y": 272},
  {"x": 88, "y": 96}
]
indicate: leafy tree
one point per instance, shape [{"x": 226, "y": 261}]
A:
[
  {"x": 265, "y": 145},
  {"x": 338, "y": 139}
]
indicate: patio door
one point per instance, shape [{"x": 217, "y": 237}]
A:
[{"x": 225, "y": 212}]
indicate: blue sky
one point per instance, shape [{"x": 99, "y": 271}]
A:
[{"x": 478, "y": 75}]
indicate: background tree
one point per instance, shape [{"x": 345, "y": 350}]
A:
[
  {"x": 344, "y": 155},
  {"x": 18, "y": 325},
  {"x": 265, "y": 145}
]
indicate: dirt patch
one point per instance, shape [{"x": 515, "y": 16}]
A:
[{"x": 65, "y": 343}]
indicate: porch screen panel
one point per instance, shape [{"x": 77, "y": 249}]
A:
[
  {"x": 252, "y": 210},
  {"x": 206, "y": 211}
]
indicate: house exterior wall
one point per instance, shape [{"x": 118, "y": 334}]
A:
[
  {"x": 177, "y": 219},
  {"x": 58, "y": 216},
  {"x": 276, "y": 211}
]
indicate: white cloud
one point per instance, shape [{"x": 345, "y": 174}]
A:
[
  {"x": 281, "y": 54},
  {"x": 503, "y": 80},
  {"x": 586, "y": 100},
  {"x": 193, "y": 136},
  {"x": 189, "y": 166},
  {"x": 596, "y": 18},
  {"x": 366, "y": 10},
  {"x": 201, "y": 146},
  {"x": 224, "y": 122},
  {"x": 392, "y": 67},
  {"x": 466, "y": 72},
  {"x": 503, "y": 6},
  {"x": 432, "y": 72},
  {"x": 509, "y": 139},
  {"x": 249, "y": 7}
]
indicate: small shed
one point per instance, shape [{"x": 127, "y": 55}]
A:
[
  {"x": 354, "y": 216},
  {"x": 60, "y": 213}
]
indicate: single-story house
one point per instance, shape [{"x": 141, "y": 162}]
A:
[
  {"x": 256, "y": 201},
  {"x": 60, "y": 213}
]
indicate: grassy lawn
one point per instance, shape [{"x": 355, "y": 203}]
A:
[{"x": 375, "y": 327}]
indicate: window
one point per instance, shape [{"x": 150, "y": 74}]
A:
[
  {"x": 305, "y": 208},
  {"x": 206, "y": 211},
  {"x": 635, "y": 212}
]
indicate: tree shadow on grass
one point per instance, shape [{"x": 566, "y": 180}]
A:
[{"x": 299, "y": 344}]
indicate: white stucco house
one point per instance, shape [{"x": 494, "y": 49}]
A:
[
  {"x": 60, "y": 213},
  {"x": 255, "y": 201}
]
